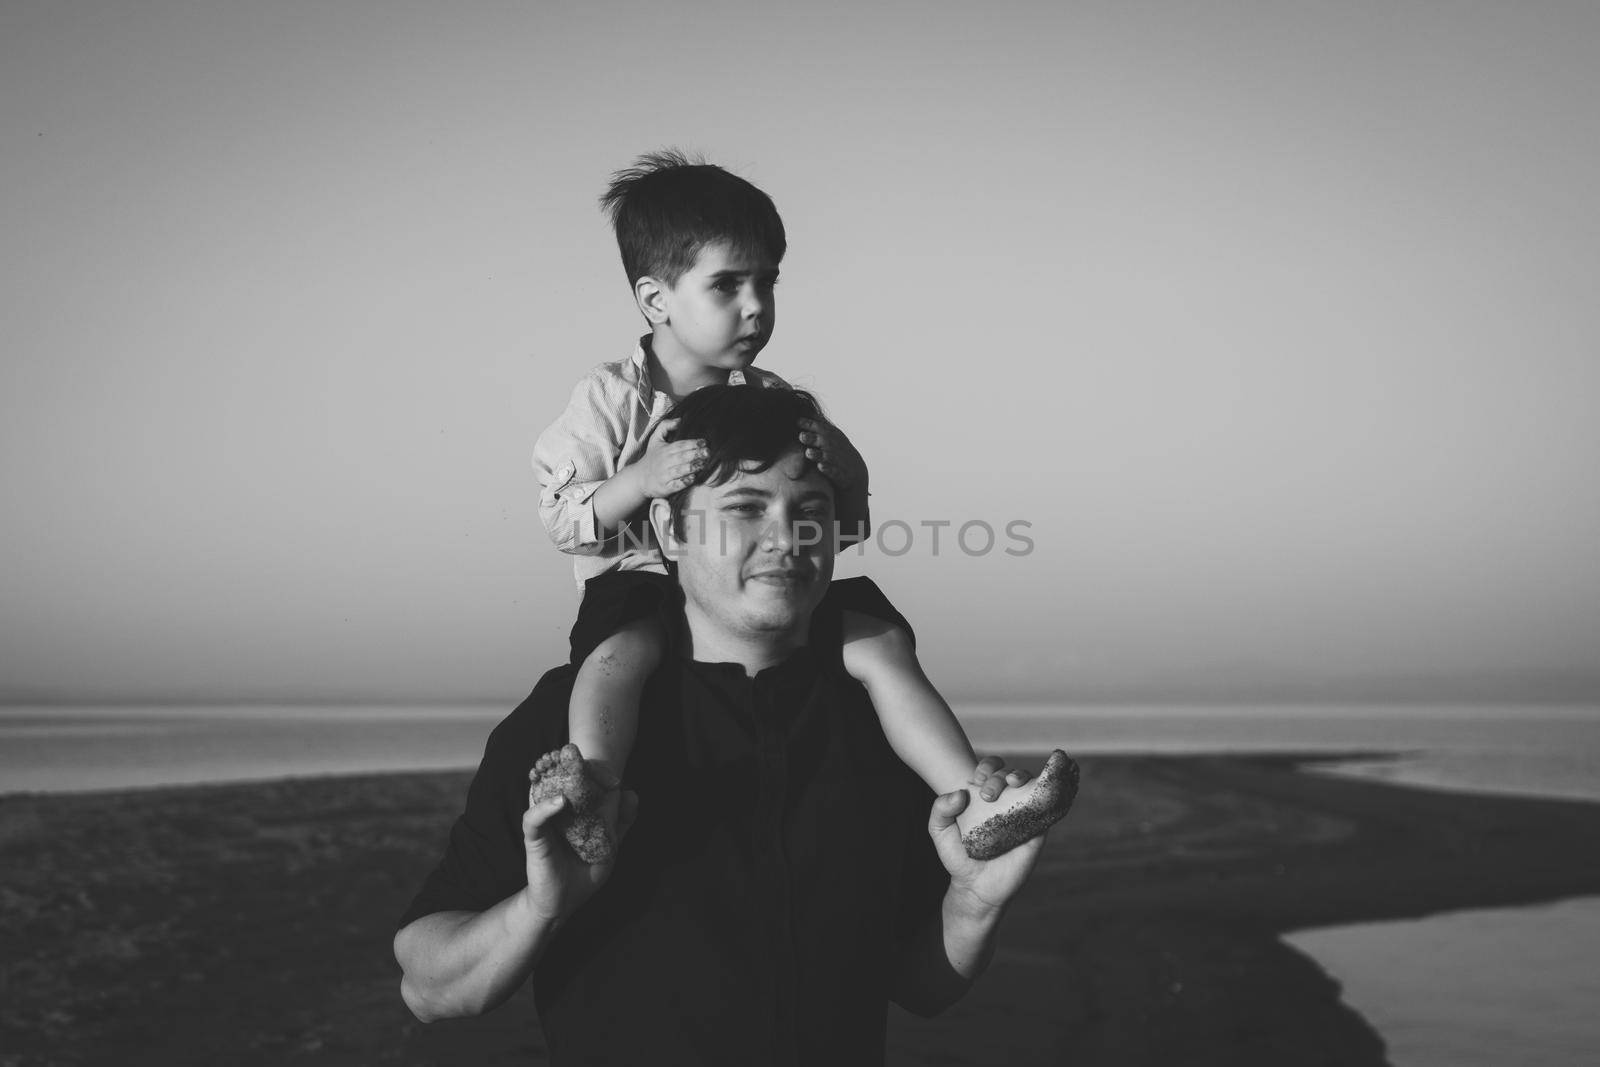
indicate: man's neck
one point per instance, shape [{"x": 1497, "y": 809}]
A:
[
  {"x": 674, "y": 371},
  {"x": 707, "y": 643}
]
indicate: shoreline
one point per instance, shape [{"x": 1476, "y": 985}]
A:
[{"x": 256, "y": 917}]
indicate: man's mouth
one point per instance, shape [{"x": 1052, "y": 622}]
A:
[{"x": 783, "y": 578}]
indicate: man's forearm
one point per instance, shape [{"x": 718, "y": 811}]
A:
[
  {"x": 618, "y": 499},
  {"x": 947, "y": 955},
  {"x": 464, "y": 963}
]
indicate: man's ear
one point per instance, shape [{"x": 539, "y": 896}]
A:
[
  {"x": 661, "y": 523},
  {"x": 651, "y": 296}
]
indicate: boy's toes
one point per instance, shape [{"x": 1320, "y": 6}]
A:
[{"x": 583, "y": 822}]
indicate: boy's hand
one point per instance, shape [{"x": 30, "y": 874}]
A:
[
  {"x": 667, "y": 467},
  {"x": 834, "y": 455}
]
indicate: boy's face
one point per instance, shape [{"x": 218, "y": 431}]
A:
[{"x": 720, "y": 312}]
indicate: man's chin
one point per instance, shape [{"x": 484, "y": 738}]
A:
[{"x": 773, "y": 605}]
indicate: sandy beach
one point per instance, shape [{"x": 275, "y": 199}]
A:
[{"x": 251, "y": 923}]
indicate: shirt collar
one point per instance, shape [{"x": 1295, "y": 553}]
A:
[
  {"x": 647, "y": 391},
  {"x": 799, "y": 666},
  {"x": 641, "y": 366}
]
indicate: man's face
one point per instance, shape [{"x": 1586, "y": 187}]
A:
[
  {"x": 757, "y": 552},
  {"x": 721, "y": 310}
]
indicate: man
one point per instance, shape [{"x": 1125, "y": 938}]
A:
[{"x": 781, "y": 874}]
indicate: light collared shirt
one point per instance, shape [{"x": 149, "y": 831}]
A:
[{"x": 607, "y": 425}]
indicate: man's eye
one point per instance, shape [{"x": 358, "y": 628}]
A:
[{"x": 743, "y": 509}]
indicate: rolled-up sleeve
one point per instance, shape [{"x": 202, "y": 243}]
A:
[{"x": 572, "y": 459}]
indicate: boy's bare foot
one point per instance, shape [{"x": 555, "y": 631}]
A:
[
  {"x": 994, "y": 827},
  {"x": 581, "y": 822}
]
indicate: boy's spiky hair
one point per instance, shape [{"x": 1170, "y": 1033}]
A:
[{"x": 666, "y": 208}]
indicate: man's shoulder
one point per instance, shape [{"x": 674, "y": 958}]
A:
[{"x": 539, "y": 723}]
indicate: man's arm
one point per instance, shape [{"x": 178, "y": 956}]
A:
[
  {"x": 947, "y": 954},
  {"x": 459, "y": 963}
]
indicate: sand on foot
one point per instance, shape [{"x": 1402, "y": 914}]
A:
[
  {"x": 566, "y": 773},
  {"x": 1022, "y": 813}
]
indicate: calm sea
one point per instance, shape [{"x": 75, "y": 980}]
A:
[
  {"x": 1535, "y": 750},
  {"x": 1466, "y": 989}
]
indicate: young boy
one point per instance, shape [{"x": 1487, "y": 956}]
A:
[{"x": 701, "y": 248}]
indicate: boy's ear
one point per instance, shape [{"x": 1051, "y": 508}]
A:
[
  {"x": 651, "y": 296},
  {"x": 661, "y": 523}
]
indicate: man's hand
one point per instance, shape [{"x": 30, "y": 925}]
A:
[
  {"x": 558, "y": 881},
  {"x": 834, "y": 455},
  {"x": 667, "y": 467},
  {"x": 983, "y": 885}
]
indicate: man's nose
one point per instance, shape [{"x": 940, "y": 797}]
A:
[
  {"x": 793, "y": 535},
  {"x": 779, "y": 537}
]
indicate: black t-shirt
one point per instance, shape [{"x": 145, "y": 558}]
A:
[{"x": 778, "y": 865}]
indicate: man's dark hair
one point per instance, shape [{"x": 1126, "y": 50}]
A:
[
  {"x": 666, "y": 208},
  {"x": 745, "y": 427}
]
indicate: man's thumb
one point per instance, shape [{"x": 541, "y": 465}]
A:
[{"x": 945, "y": 810}]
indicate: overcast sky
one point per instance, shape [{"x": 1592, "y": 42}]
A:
[{"x": 1275, "y": 321}]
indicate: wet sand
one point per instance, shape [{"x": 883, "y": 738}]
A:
[{"x": 251, "y": 923}]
